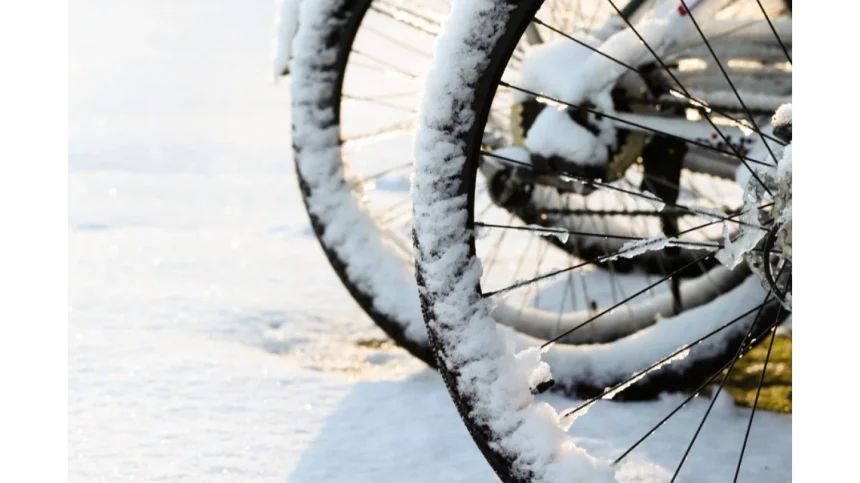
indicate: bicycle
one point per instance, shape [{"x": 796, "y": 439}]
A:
[{"x": 370, "y": 255}]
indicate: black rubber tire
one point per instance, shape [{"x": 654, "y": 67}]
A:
[{"x": 345, "y": 17}]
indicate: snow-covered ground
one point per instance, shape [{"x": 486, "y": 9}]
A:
[{"x": 209, "y": 340}]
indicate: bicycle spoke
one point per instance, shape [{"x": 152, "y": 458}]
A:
[
  {"x": 693, "y": 101},
  {"x": 382, "y": 173},
  {"x": 773, "y": 29},
  {"x": 653, "y": 199},
  {"x": 732, "y": 85},
  {"x": 640, "y": 292},
  {"x": 561, "y": 231},
  {"x": 537, "y": 271},
  {"x": 568, "y": 288},
  {"x": 720, "y": 387},
  {"x": 522, "y": 259},
  {"x": 612, "y": 390},
  {"x": 605, "y": 257},
  {"x": 384, "y": 63},
  {"x": 734, "y": 154},
  {"x": 397, "y": 42},
  {"x": 369, "y": 100},
  {"x": 496, "y": 249},
  {"x": 377, "y": 68},
  {"x": 683, "y": 89},
  {"x": 695, "y": 392},
  {"x": 419, "y": 23},
  {"x": 755, "y": 402},
  {"x": 397, "y": 127}
]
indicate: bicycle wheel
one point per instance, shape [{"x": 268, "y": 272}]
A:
[
  {"x": 660, "y": 156},
  {"x": 492, "y": 386},
  {"x": 371, "y": 79},
  {"x": 356, "y": 68}
]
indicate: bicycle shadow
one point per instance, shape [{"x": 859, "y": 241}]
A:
[
  {"x": 409, "y": 431},
  {"x": 403, "y": 430}
]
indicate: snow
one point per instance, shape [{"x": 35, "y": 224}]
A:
[
  {"x": 783, "y": 115},
  {"x": 635, "y": 248},
  {"x": 603, "y": 364},
  {"x": 662, "y": 30},
  {"x": 547, "y": 67},
  {"x": 555, "y": 134},
  {"x": 372, "y": 260},
  {"x": 784, "y": 168},
  {"x": 779, "y": 174},
  {"x": 209, "y": 340},
  {"x": 561, "y": 234},
  {"x": 733, "y": 250},
  {"x": 286, "y": 25}
]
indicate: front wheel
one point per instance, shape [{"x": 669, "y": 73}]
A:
[{"x": 494, "y": 374}]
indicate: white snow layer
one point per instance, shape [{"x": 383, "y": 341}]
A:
[
  {"x": 204, "y": 320},
  {"x": 286, "y": 25},
  {"x": 661, "y": 30},
  {"x": 781, "y": 169},
  {"x": 373, "y": 263},
  {"x": 491, "y": 376},
  {"x": 605, "y": 363},
  {"x": 555, "y": 134},
  {"x": 783, "y": 115}
]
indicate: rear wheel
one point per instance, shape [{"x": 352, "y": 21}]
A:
[{"x": 357, "y": 69}]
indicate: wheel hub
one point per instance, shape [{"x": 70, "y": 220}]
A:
[{"x": 764, "y": 240}]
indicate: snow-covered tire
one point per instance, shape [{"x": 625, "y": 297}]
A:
[
  {"x": 377, "y": 278},
  {"x": 491, "y": 383}
]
